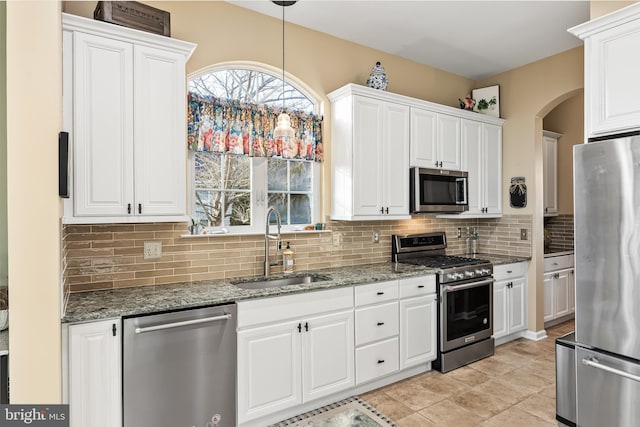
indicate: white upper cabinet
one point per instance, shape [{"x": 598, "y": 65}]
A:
[
  {"x": 370, "y": 156},
  {"x": 377, "y": 136},
  {"x": 482, "y": 159},
  {"x": 550, "y": 175},
  {"x": 612, "y": 67},
  {"x": 435, "y": 140},
  {"x": 124, "y": 108}
]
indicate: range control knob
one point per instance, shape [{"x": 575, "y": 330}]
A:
[
  {"x": 451, "y": 276},
  {"x": 459, "y": 276},
  {"x": 479, "y": 272},
  {"x": 486, "y": 271},
  {"x": 469, "y": 273}
]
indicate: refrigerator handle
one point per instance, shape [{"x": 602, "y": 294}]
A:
[{"x": 593, "y": 362}]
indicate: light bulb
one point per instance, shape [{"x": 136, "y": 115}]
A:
[{"x": 283, "y": 130}]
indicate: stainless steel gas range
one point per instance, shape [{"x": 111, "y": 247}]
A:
[{"x": 465, "y": 298}]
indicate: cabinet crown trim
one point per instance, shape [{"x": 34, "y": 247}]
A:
[
  {"x": 615, "y": 18},
  {"x": 105, "y": 29},
  {"x": 355, "y": 89}
]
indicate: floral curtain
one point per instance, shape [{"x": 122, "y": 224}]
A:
[{"x": 228, "y": 126}]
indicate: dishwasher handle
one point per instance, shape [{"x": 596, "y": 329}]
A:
[{"x": 183, "y": 323}]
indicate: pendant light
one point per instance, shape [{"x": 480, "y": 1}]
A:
[{"x": 283, "y": 130}]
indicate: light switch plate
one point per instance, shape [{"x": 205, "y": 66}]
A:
[
  {"x": 152, "y": 250},
  {"x": 524, "y": 234},
  {"x": 375, "y": 238}
]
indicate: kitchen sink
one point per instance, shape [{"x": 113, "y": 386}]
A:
[{"x": 263, "y": 283}]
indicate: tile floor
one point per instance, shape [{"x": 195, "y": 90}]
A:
[{"x": 515, "y": 387}]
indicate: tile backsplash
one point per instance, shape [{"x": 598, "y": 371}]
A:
[
  {"x": 111, "y": 256},
  {"x": 560, "y": 229}
]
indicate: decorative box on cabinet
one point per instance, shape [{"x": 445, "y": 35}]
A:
[
  {"x": 612, "y": 67},
  {"x": 370, "y": 155},
  {"x": 94, "y": 374},
  {"x": 292, "y": 350},
  {"x": 559, "y": 288},
  {"x": 550, "y": 175},
  {"x": 435, "y": 140},
  {"x": 124, "y": 105},
  {"x": 509, "y": 301}
]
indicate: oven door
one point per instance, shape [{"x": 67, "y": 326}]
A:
[{"x": 466, "y": 313}]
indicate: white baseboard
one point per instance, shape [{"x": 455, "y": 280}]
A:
[{"x": 535, "y": 336}]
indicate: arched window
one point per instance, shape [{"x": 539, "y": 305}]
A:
[{"x": 234, "y": 192}]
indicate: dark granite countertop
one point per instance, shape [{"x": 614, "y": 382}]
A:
[
  {"x": 96, "y": 305},
  {"x": 557, "y": 252}
]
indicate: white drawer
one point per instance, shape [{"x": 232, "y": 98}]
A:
[
  {"x": 509, "y": 271},
  {"x": 266, "y": 310},
  {"x": 376, "y": 292},
  {"x": 417, "y": 286},
  {"x": 558, "y": 263},
  {"x": 376, "y": 322},
  {"x": 376, "y": 360}
]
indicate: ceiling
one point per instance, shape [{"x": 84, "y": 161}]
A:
[{"x": 474, "y": 39}]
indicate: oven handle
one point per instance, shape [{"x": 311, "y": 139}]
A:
[{"x": 452, "y": 288}]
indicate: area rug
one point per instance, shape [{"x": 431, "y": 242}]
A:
[{"x": 351, "y": 412}]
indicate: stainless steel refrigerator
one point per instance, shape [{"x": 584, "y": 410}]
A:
[{"x": 607, "y": 258}]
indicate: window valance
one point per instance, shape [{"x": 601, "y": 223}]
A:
[{"x": 230, "y": 126}]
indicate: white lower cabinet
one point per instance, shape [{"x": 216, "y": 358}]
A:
[
  {"x": 283, "y": 363},
  {"x": 509, "y": 300},
  {"x": 94, "y": 372},
  {"x": 559, "y": 283},
  {"x": 418, "y": 321}
]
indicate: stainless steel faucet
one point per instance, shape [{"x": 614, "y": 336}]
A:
[{"x": 268, "y": 236}]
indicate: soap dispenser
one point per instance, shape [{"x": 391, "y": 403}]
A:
[{"x": 287, "y": 260}]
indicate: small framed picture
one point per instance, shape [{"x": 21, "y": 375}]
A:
[{"x": 487, "y": 100}]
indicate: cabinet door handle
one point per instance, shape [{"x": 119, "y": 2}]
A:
[
  {"x": 139, "y": 208},
  {"x": 380, "y": 323},
  {"x": 440, "y": 164},
  {"x": 113, "y": 329},
  {"x": 436, "y": 163},
  {"x": 380, "y": 293},
  {"x": 306, "y": 326},
  {"x": 420, "y": 286},
  {"x": 299, "y": 327},
  {"x": 128, "y": 208},
  {"x": 382, "y": 210},
  {"x": 380, "y": 361},
  {"x": 387, "y": 211}
]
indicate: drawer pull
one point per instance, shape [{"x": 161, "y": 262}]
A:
[
  {"x": 380, "y": 361},
  {"x": 380, "y": 323},
  {"x": 509, "y": 271},
  {"x": 420, "y": 286},
  {"x": 380, "y": 293}
]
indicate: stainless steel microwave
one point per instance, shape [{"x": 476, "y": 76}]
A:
[{"x": 438, "y": 191}]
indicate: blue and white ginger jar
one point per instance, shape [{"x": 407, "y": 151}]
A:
[{"x": 378, "y": 79}]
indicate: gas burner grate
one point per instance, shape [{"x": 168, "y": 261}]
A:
[{"x": 444, "y": 261}]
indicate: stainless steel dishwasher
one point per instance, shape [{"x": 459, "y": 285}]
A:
[{"x": 180, "y": 368}]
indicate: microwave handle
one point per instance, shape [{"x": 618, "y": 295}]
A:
[{"x": 463, "y": 183}]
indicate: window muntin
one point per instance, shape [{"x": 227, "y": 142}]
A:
[{"x": 290, "y": 186}]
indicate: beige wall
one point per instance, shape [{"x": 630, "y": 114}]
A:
[
  {"x": 33, "y": 121},
  {"x": 599, "y": 8},
  {"x": 567, "y": 119},
  {"x": 3, "y": 145},
  {"x": 527, "y": 94}
]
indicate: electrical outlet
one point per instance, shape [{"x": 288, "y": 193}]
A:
[
  {"x": 375, "y": 238},
  {"x": 459, "y": 232},
  {"x": 336, "y": 239},
  {"x": 152, "y": 250},
  {"x": 524, "y": 235}
]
